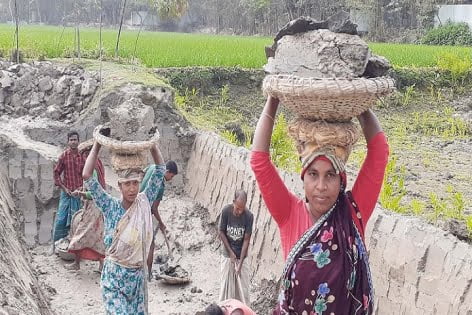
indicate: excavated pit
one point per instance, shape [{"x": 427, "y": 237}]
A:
[{"x": 417, "y": 268}]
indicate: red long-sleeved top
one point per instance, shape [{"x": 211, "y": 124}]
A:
[
  {"x": 291, "y": 213},
  {"x": 70, "y": 163}
]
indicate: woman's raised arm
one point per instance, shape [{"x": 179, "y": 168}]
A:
[
  {"x": 370, "y": 124},
  {"x": 263, "y": 132},
  {"x": 91, "y": 161}
]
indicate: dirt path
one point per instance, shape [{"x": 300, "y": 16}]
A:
[{"x": 78, "y": 292}]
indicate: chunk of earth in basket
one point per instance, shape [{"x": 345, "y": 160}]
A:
[{"x": 131, "y": 121}]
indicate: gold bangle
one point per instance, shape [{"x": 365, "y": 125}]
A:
[{"x": 269, "y": 116}]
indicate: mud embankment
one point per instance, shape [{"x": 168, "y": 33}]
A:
[{"x": 20, "y": 291}]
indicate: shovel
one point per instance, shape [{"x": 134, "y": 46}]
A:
[{"x": 169, "y": 250}]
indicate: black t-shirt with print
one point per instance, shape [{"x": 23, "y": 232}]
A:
[{"x": 235, "y": 228}]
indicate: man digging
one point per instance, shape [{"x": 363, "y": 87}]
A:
[{"x": 171, "y": 171}]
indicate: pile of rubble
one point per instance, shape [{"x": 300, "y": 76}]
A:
[{"x": 41, "y": 89}]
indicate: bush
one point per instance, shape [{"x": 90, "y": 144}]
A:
[
  {"x": 455, "y": 34},
  {"x": 449, "y": 72},
  {"x": 458, "y": 66},
  {"x": 282, "y": 148}
]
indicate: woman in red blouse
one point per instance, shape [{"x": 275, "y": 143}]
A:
[{"x": 322, "y": 236}]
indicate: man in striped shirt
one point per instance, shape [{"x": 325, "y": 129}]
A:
[{"x": 68, "y": 176}]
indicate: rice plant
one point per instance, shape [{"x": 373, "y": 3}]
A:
[
  {"x": 393, "y": 188},
  {"x": 417, "y": 207},
  {"x": 230, "y": 137},
  {"x": 469, "y": 225},
  {"x": 161, "y": 49},
  {"x": 282, "y": 147}
]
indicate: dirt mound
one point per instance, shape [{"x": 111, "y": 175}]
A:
[{"x": 43, "y": 89}]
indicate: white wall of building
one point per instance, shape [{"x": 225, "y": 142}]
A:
[{"x": 454, "y": 13}]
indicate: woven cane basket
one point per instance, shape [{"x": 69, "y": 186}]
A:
[
  {"x": 86, "y": 145},
  {"x": 324, "y": 133},
  {"x": 311, "y": 136},
  {"x": 305, "y": 149},
  {"x": 327, "y": 99},
  {"x": 121, "y": 161},
  {"x": 124, "y": 147}
]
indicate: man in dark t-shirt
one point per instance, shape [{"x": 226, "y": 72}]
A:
[{"x": 235, "y": 233}]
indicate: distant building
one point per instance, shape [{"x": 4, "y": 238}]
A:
[
  {"x": 151, "y": 21},
  {"x": 145, "y": 17},
  {"x": 455, "y": 13}
]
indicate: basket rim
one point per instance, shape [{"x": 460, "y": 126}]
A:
[
  {"x": 383, "y": 86},
  {"x": 124, "y": 146},
  {"x": 296, "y": 77}
]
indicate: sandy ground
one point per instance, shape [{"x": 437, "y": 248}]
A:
[{"x": 78, "y": 292}]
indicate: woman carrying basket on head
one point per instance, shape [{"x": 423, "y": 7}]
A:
[
  {"x": 86, "y": 229},
  {"x": 128, "y": 232},
  {"x": 322, "y": 235}
]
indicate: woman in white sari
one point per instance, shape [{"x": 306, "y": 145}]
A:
[{"x": 128, "y": 233}]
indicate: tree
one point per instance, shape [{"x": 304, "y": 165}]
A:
[
  {"x": 170, "y": 9},
  {"x": 119, "y": 30},
  {"x": 166, "y": 9},
  {"x": 17, "y": 34}
]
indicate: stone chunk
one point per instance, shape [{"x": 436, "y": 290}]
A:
[
  {"x": 5, "y": 79},
  {"x": 34, "y": 101},
  {"x": 88, "y": 87},
  {"x": 53, "y": 112},
  {"x": 321, "y": 54},
  {"x": 377, "y": 66},
  {"x": 14, "y": 68},
  {"x": 62, "y": 84},
  {"x": 132, "y": 120},
  {"x": 45, "y": 84},
  {"x": 341, "y": 23},
  {"x": 301, "y": 25}
]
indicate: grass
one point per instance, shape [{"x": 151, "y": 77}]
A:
[
  {"x": 160, "y": 49},
  {"x": 393, "y": 188},
  {"x": 411, "y": 119},
  {"x": 119, "y": 74},
  {"x": 213, "y": 114},
  {"x": 404, "y": 55},
  {"x": 154, "y": 49},
  {"x": 282, "y": 147},
  {"x": 207, "y": 113},
  {"x": 441, "y": 124},
  {"x": 451, "y": 206},
  {"x": 469, "y": 225},
  {"x": 415, "y": 118}
]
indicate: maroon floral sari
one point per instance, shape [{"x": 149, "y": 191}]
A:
[{"x": 327, "y": 270}]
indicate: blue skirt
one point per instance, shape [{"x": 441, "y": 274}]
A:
[
  {"x": 68, "y": 206},
  {"x": 122, "y": 289}
]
